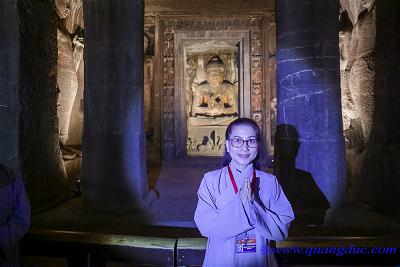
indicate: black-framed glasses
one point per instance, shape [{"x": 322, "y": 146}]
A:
[{"x": 238, "y": 142}]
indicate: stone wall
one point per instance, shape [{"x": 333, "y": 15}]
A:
[{"x": 381, "y": 169}]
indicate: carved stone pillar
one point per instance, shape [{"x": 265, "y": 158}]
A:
[
  {"x": 9, "y": 108},
  {"x": 114, "y": 170},
  {"x": 41, "y": 160},
  {"x": 310, "y": 136}
]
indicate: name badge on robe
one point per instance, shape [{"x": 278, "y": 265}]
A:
[{"x": 246, "y": 244}]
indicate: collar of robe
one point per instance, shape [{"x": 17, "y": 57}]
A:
[{"x": 238, "y": 177}]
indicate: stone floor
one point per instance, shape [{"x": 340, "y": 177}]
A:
[
  {"x": 174, "y": 183},
  {"x": 176, "y": 186}
]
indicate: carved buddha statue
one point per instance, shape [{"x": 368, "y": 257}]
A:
[{"x": 214, "y": 97}]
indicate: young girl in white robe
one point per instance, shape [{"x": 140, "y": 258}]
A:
[{"x": 240, "y": 208}]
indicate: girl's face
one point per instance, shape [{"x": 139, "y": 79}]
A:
[{"x": 244, "y": 155}]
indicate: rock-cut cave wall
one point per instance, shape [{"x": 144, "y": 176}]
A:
[{"x": 370, "y": 53}]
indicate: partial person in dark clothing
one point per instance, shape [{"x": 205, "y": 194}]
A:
[{"x": 15, "y": 214}]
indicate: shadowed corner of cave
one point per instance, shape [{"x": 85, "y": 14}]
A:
[{"x": 307, "y": 200}]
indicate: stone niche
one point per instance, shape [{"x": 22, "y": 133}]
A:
[
  {"x": 211, "y": 86},
  {"x": 212, "y": 72}
]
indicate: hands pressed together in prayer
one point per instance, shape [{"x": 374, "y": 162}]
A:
[{"x": 246, "y": 194}]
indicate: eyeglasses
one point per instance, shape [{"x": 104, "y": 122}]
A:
[{"x": 238, "y": 142}]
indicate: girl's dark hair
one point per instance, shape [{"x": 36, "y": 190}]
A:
[{"x": 238, "y": 122}]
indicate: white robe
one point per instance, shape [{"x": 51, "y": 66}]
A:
[{"x": 221, "y": 216}]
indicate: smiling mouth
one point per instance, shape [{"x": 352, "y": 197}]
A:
[{"x": 243, "y": 156}]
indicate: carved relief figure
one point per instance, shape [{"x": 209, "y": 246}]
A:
[
  {"x": 215, "y": 96},
  {"x": 357, "y": 44},
  {"x": 256, "y": 70},
  {"x": 148, "y": 86},
  {"x": 256, "y": 44},
  {"x": 358, "y": 84},
  {"x": 273, "y": 115},
  {"x": 190, "y": 75},
  {"x": 169, "y": 45},
  {"x": 70, "y": 55},
  {"x": 213, "y": 142}
]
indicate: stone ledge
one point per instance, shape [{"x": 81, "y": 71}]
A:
[{"x": 183, "y": 251}]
